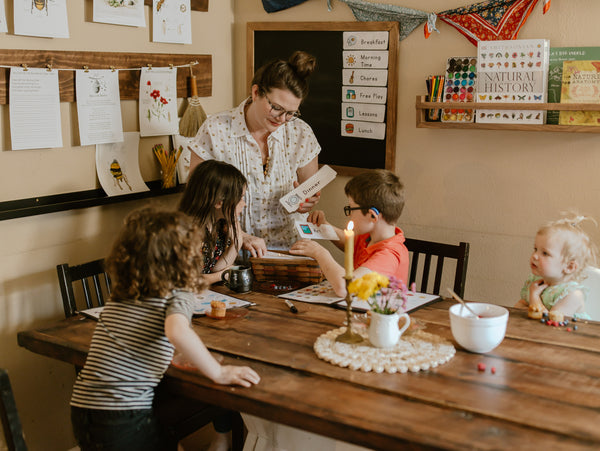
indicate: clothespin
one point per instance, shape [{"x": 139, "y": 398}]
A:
[
  {"x": 171, "y": 66},
  {"x": 49, "y": 66},
  {"x": 149, "y": 66},
  {"x": 86, "y": 68},
  {"x": 25, "y": 68},
  {"x": 112, "y": 68}
]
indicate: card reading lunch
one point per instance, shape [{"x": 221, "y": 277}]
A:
[{"x": 291, "y": 201}]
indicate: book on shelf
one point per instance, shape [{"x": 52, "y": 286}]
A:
[
  {"x": 514, "y": 71},
  {"x": 557, "y": 56},
  {"x": 580, "y": 84}
]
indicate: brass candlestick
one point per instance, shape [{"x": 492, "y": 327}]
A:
[{"x": 348, "y": 336}]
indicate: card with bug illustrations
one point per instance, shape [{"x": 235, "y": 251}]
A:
[
  {"x": 514, "y": 71},
  {"x": 118, "y": 168}
]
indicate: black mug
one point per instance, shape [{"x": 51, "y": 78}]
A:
[{"x": 238, "y": 278}]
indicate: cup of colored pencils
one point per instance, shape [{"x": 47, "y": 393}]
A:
[
  {"x": 435, "y": 90},
  {"x": 168, "y": 164}
]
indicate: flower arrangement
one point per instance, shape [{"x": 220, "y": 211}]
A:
[{"x": 385, "y": 295}]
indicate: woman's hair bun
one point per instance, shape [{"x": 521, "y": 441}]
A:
[{"x": 303, "y": 63}]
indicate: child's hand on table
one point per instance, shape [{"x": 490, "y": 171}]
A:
[
  {"x": 237, "y": 375},
  {"x": 308, "y": 248}
]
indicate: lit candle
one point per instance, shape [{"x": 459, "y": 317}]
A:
[{"x": 349, "y": 250}]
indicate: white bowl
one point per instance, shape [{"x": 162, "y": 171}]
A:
[{"x": 478, "y": 334}]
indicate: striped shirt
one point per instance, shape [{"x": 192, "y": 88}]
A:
[{"x": 129, "y": 353}]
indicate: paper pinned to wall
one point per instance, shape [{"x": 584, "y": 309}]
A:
[
  {"x": 158, "y": 101},
  {"x": 171, "y": 21},
  {"x": 183, "y": 163},
  {"x": 34, "y": 109},
  {"x": 98, "y": 106},
  {"x": 3, "y": 26},
  {"x": 118, "y": 168},
  {"x": 43, "y": 18},
  {"x": 128, "y": 12}
]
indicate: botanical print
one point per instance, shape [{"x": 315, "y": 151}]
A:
[
  {"x": 172, "y": 21},
  {"x": 158, "y": 101},
  {"x": 42, "y": 18},
  {"x": 120, "y": 12}
]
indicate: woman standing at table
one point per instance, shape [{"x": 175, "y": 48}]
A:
[{"x": 266, "y": 141}]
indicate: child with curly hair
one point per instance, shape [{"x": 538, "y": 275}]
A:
[
  {"x": 561, "y": 252},
  {"x": 155, "y": 268}
]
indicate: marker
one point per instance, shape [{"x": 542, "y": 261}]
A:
[{"x": 292, "y": 307}]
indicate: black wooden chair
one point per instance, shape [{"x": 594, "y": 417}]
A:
[
  {"x": 440, "y": 252},
  {"x": 91, "y": 275},
  {"x": 182, "y": 415},
  {"x": 11, "y": 424}
]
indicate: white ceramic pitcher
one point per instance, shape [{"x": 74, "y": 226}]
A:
[{"x": 384, "y": 331}]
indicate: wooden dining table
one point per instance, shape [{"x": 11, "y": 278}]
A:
[{"x": 544, "y": 391}]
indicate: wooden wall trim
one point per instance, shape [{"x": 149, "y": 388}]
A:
[{"x": 128, "y": 79}]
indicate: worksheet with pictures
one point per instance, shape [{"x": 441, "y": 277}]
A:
[
  {"x": 321, "y": 293},
  {"x": 415, "y": 301},
  {"x": 203, "y": 302}
]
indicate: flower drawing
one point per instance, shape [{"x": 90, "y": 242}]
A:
[{"x": 157, "y": 107}]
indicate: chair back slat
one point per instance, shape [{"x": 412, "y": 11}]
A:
[
  {"x": 442, "y": 252},
  {"x": 87, "y": 274}
]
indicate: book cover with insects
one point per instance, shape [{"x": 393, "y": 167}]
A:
[
  {"x": 514, "y": 71},
  {"x": 580, "y": 84}
]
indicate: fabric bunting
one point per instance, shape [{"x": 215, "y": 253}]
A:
[
  {"x": 546, "y": 5},
  {"x": 272, "y": 6},
  {"x": 408, "y": 18},
  {"x": 491, "y": 20}
]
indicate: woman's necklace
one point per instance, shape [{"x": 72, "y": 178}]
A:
[{"x": 266, "y": 165}]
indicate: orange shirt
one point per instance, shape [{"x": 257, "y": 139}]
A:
[{"x": 388, "y": 257}]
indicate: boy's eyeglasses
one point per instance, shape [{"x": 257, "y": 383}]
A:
[
  {"x": 348, "y": 209},
  {"x": 277, "y": 111}
]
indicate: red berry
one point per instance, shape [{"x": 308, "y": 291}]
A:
[
  {"x": 568, "y": 329},
  {"x": 493, "y": 370},
  {"x": 481, "y": 366}
]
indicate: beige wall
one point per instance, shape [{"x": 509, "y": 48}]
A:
[
  {"x": 490, "y": 188},
  {"x": 31, "y": 247}
]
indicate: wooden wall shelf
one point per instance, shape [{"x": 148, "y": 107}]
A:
[
  {"x": 422, "y": 106},
  {"x": 129, "y": 80},
  {"x": 81, "y": 199}
]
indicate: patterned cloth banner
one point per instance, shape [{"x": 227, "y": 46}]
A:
[
  {"x": 491, "y": 20},
  {"x": 272, "y": 6},
  {"x": 409, "y": 19}
]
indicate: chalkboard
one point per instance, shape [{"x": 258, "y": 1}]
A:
[{"x": 322, "y": 109}]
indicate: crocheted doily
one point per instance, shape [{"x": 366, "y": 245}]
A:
[{"x": 414, "y": 352}]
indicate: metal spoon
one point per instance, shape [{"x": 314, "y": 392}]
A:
[{"x": 457, "y": 297}]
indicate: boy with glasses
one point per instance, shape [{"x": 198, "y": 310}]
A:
[{"x": 375, "y": 202}]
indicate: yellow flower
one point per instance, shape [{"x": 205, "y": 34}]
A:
[{"x": 367, "y": 285}]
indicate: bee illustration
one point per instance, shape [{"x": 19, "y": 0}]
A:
[
  {"x": 117, "y": 173},
  {"x": 40, "y": 5},
  {"x": 159, "y": 5}
]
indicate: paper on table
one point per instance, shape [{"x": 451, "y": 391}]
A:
[
  {"x": 315, "y": 232},
  {"x": 277, "y": 255},
  {"x": 321, "y": 293},
  {"x": 125, "y": 13},
  {"x": 118, "y": 167},
  {"x": 204, "y": 300},
  {"x": 172, "y": 22},
  {"x": 98, "y": 106},
  {"x": 415, "y": 301},
  {"x": 158, "y": 101},
  {"x": 34, "y": 108},
  {"x": 183, "y": 163},
  {"x": 41, "y": 18}
]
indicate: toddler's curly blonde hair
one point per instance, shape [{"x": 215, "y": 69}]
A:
[{"x": 577, "y": 245}]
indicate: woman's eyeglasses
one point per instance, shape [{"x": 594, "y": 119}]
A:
[
  {"x": 277, "y": 111},
  {"x": 348, "y": 209}
]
